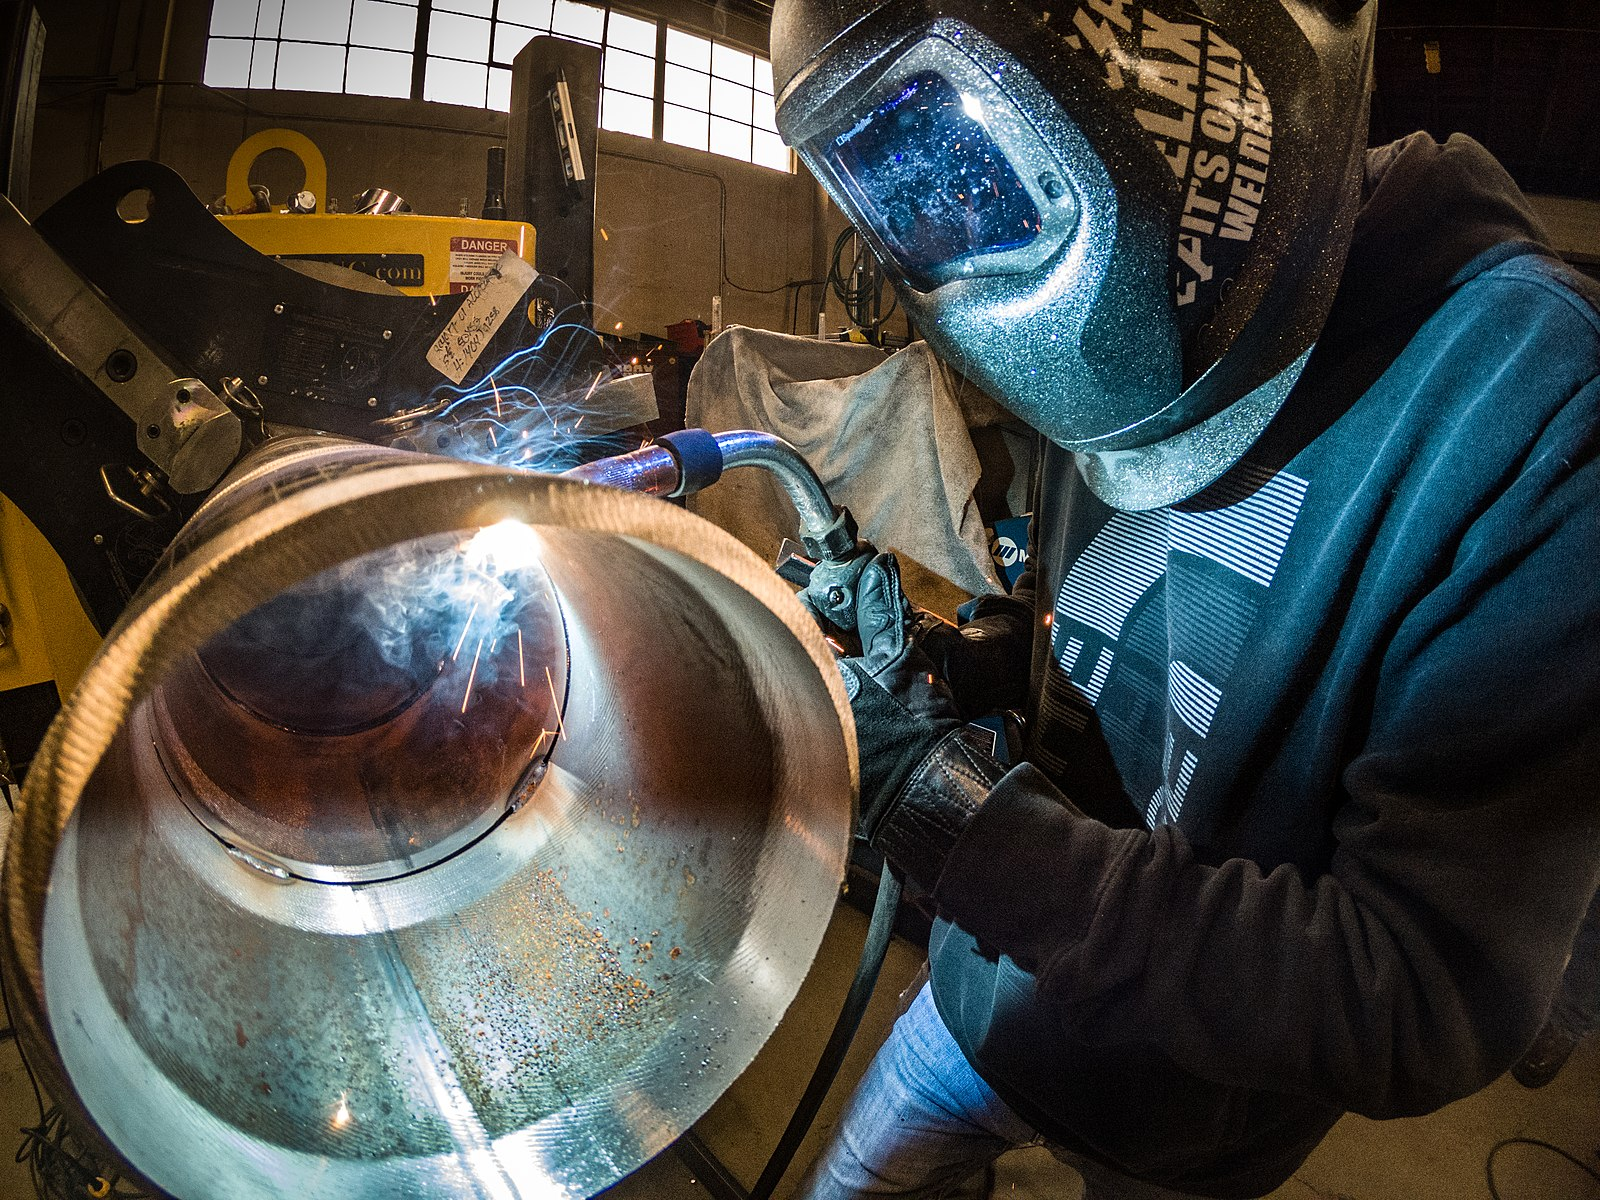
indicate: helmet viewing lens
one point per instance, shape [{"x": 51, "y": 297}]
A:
[
  {"x": 939, "y": 160},
  {"x": 930, "y": 179}
]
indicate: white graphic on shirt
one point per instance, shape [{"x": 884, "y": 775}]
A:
[
  {"x": 1193, "y": 698},
  {"x": 1248, "y": 537},
  {"x": 1170, "y": 797},
  {"x": 1125, "y": 558},
  {"x": 1130, "y": 555}
]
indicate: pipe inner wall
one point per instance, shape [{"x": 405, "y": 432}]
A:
[{"x": 327, "y": 883}]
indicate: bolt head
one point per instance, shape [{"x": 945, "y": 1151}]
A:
[
  {"x": 121, "y": 366},
  {"x": 278, "y": 308},
  {"x": 387, "y": 334},
  {"x": 261, "y": 379},
  {"x": 836, "y": 597}
]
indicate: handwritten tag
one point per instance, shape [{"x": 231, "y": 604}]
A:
[{"x": 480, "y": 316}]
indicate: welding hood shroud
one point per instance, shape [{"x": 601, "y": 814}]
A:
[
  {"x": 1126, "y": 321},
  {"x": 535, "y": 1014}
]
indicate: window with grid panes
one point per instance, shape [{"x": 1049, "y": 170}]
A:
[
  {"x": 718, "y": 98},
  {"x": 471, "y": 44},
  {"x": 369, "y": 47},
  {"x": 364, "y": 47}
]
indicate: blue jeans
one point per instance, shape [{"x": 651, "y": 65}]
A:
[{"x": 923, "y": 1125}]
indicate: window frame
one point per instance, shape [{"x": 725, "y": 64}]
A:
[{"x": 265, "y": 48}]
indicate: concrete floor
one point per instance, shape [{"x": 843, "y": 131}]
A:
[{"x": 1440, "y": 1157}]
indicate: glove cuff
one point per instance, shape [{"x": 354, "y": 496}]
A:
[{"x": 943, "y": 794}]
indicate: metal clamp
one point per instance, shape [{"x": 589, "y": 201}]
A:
[
  {"x": 183, "y": 428},
  {"x": 140, "y": 492}
]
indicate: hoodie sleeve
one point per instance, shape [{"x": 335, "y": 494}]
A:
[{"x": 1416, "y": 967}]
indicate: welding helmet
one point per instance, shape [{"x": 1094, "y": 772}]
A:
[{"x": 1124, "y": 221}]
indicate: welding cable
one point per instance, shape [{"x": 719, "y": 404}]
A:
[
  {"x": 862, "y": 300},
  {"x": 854, "y": 1008},
  {"x": 11, "y": 1022},
  {"x": 1494, "y": 1151},
  {"x": 687, "y": 460}
]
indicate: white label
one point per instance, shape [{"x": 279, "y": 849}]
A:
[{"x": 480, "y": 316}]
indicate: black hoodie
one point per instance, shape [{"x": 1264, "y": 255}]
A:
[{"x": 1312, "y": 802}]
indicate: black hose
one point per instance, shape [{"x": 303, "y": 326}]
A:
[
  {"x": 854, "y": 1008},
  {"x": 1488, "y": 1165},
  {"x": 860, "y": 288}
]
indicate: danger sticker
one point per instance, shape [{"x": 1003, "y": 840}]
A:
[
  {"x": 471, "y": 258},
  {"x": 497, "y": 295}
]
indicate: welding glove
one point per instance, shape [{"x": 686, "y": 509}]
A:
[
  {"x": 986, "y": 659},
  {"x": 923, "y": 777}
]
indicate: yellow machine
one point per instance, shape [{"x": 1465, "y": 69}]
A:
[
  {"x": 46, "y": 640},
  {"x": 419, "y": 255}
]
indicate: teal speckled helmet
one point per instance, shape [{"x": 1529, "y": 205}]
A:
[{"x": 1120, "y": 219}]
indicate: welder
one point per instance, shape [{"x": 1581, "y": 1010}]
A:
[{"x": 1309, "y": 647}]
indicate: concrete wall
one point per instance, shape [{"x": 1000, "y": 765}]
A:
[{"x": 679, "y": 226}]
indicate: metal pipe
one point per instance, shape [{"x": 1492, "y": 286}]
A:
[
  {"x": 379, "y": 851},
  {"x": 650, "y": 470},
  {"x": 876, "y": 947},
  {"x": 158, "y": 119}
]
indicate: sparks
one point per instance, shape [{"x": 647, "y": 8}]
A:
[
  {"x": 522, "y": 674},
  {"x": 561, "y": 722},
  {"x": 472, "y": 675},
  {"x": 456, "y": 652},
  {"x": 495, "y": 388},
  {"x": 341, "y": 1115}
]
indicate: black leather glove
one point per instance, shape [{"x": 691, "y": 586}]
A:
[
  {"x": 986, "y": 659},
  {"x": 922, "y": 779}
]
